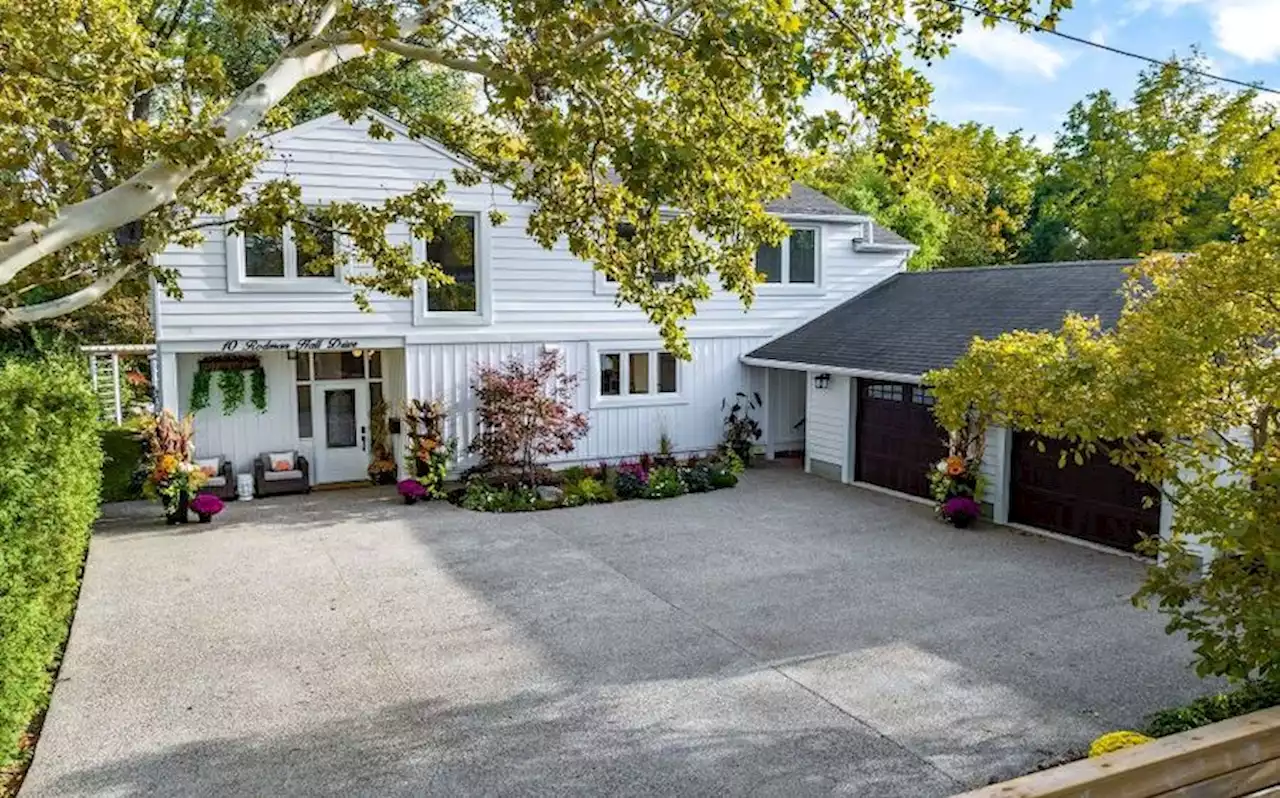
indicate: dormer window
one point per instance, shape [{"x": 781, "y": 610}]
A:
[{"x": 795, "y": 262}]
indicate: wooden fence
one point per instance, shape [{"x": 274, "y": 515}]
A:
[{"x": 1232, "y": 759}]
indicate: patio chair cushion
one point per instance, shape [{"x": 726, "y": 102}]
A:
[
  {"x": 216, "y": 482},
  {"x": 279, "y": 462},
  {"x": 211, "y": 466},
  {"x": 279, "y": 476}
]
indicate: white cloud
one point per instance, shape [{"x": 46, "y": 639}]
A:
[
  {"x": 1010, "y": 51},
  {"x": 1247, "y": 29}
]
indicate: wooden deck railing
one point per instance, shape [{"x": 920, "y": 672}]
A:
[{"x": 1234, "y": 758}]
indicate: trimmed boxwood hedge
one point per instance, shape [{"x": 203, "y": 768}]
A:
[
  {"x": 50, "y": 473},
  {"x": 122, "y": 448}
]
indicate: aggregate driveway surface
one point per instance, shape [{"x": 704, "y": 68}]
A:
[{"x": 790, "y": 637}]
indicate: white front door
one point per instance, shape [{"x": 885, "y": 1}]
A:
[{"x": 342, "y": 430}]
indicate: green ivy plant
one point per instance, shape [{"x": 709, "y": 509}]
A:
[
  {"x": 231, "y": 383},
  {"x": 258, "y": 389},
  {"x": 200, "y": 391}
]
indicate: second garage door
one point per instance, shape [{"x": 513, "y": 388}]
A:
[
  {"x": 897, "y": 438},
  {"x": 1097, "y": 501}
]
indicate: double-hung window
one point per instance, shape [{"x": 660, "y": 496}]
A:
[
  {"x": 794, "y": 262},
  {"x": 457, "y": 250},
  {"x": 634, "y": 376},
  {"x": 286, "y": 261}
]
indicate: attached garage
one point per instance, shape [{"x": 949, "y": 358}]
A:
[
  {"x": 1097, "y": 501},
  {"x": 897, "y": 437},
  {"x": 868, "y": 420}
]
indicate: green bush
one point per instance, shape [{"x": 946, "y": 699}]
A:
[
  {"x": 628, "y": 485},
  {"x": 123, "y": 455},
  {"x": 480, "y": 495},
  {"x": 664, "y": 483},
  {"x": 697, "y": 478},
  {"x": 723, "y": 478},
  {"x": 587, "y": 490},
  {"x": 1213, "y": 708},
  {"x": 50, "y": 476}
]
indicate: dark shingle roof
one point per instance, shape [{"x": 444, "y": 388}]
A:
[
  {"x": 883, "y": 236},
  {"x": 808, "y": 201},
  {"x": 917, "y": 321}
]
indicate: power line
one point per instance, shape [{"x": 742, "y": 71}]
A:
[{"x": 1098, "y": 45}]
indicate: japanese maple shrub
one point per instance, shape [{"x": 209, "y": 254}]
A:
[{"x": 526, "y": 414}]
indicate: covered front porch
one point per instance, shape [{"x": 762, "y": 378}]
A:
[{"x": 326, "y": 400}]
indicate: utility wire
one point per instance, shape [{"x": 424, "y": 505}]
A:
[{"x": 1098, "y": 45}]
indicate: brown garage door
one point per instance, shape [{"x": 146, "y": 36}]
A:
[
  {"x": 897, "y": 438},
  {"x": 1097, "y": 501}
]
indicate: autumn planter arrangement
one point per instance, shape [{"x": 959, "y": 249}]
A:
[
  {"x": 173, "y": 478},
  {"x": 954, "y": 483}
]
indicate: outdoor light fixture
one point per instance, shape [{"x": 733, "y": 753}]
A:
[
  {"x": 822, "y": 381},
  {"x": 356, "y": 353}
]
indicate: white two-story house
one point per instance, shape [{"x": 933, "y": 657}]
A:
[{"x": 326, "y": 362}]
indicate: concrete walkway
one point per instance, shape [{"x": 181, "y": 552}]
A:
[{"x": 792, "y": 637}]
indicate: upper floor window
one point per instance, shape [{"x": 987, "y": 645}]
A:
[
  {"x": 795, "y": 262},
  {"x": 281, "y": 262},
  {"x": 458, "y": 250}
]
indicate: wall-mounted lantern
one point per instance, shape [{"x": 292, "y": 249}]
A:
[{"x": 822, "y": 381}]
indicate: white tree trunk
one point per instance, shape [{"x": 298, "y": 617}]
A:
[{"x": 159, "y": 183}]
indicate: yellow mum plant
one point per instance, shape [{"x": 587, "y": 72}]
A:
[{"x": 1116, "y": 741}]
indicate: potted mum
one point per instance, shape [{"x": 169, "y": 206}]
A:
[
  {"x": 954, "y": 484},
  {"x": 206, "y": 505},
  {"x": 411, "y": 490},
  {"x": 960, "y": 511}
]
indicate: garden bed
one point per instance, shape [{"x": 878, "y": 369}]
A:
[{"x": 646, "y": 478}]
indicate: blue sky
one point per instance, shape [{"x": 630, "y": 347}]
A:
[{"x": 1028, "y": 81}]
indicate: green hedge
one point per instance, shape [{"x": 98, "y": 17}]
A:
[
  {"x": 122, "y": 450},
  {"x": 50, "y": 474},
  {"x": 1242, "y": 700}
]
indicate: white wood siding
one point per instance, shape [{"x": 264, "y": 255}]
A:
[
  {"x": 996, "y": 462},
  {"x": 537, "y": 294},
  {"x": 245, "y": 433},
  {"x": 786, "y": 407},
  {"x": 827, "y": 426},
  {"x": 446, "y": 372}
]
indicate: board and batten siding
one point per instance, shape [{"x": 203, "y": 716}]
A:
[
  {"x": 826, "y": 440},
  {"x": 245, "y": 433},
  {"x": 447, "y": 371},
  {"x": 996, "y": 461},
  {"x": 536, "y": 294}
]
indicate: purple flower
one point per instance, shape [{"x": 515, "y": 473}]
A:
[
  {"x": 411, "y": 488},
  {"x": 961, "y": 507},
  {"x": 636, "y": 470},
  {"x": 207, "y": 504}
]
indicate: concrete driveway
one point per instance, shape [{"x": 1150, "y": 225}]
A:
[{"x": 790, "y": 637}]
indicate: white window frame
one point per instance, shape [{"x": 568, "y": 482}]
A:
[
  {"x": 483, "y": 314},
  {"x": 786, "y": 283},
  {"x": 652, "y": 399},
  {"x": 291, "y": 282}
]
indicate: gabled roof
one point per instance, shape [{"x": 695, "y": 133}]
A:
[
  {"x": 803, "y": 200},
  {"x": 918, "y": 321}
]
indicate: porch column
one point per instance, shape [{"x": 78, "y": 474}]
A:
[
  {"x": 168, "y": 382},
  {"x": 770, "y": 438}
]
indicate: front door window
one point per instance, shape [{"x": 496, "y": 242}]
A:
[{"x": 340, "y": 418}]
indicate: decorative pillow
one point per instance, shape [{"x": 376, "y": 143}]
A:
[
  {"x": 209, "y": 466},
  {"x": 281, "y": 461}
]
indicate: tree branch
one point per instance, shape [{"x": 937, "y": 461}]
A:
[
  {"x": 26, "y": 314},
  {"x": 418, "y": 52},
  {"x": 158, "y": 184}
]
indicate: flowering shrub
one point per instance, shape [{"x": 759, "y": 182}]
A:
[
  {"x": 629, "y": 484},
  {"x": 664, "y": 482},
  {"x": 526, "y": 413},
  {"x": 207, "y": 504}
]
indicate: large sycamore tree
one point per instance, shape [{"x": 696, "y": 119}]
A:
[
  {"x": 1185, "y": 392},
  {"x": 673, "y": 120}
]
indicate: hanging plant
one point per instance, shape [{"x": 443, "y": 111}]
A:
[
  {"x": 231, "y": 383},
  {"x": 200, "y": 391},
  {"x": 258, "y": 388}
]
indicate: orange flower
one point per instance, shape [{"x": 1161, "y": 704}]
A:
[{"x": 955, "y": 466}]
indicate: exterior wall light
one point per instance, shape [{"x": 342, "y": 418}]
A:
[{"x": 822, "y": 381}]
